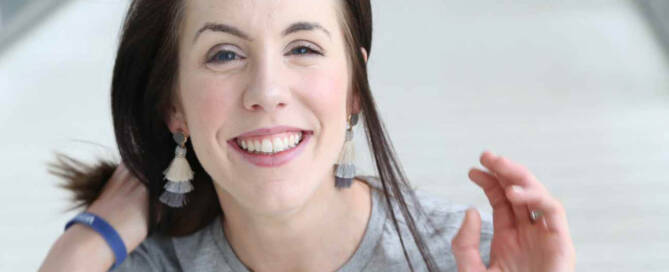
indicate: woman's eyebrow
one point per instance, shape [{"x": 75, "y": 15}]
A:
[
  {"x": 218, "y": 27},
  {"x": 304, "y": 26},
  {"x": 295, "y": 27}
]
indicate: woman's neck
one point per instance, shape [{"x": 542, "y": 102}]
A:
[{"x": 320, "y": 236}]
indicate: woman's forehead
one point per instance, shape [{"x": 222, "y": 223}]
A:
[{"x": 254, "y": 16}]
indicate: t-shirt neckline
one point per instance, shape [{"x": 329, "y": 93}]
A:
[{"x": 358, "y": 260}]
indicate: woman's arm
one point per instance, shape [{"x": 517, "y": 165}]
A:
[
  {"x": 79, "y": 249},
  {"x": 124, "y": 204}
]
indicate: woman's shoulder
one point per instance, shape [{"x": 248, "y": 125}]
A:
[
  {"x": 155, "y": 253},
  {"x": 440, "y": 210},
  {"x": 202, "y": 250},
  {"x": 438, "y": 220}
]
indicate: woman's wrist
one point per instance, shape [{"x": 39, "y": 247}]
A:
[
  {"x": 87, "y": 243},
  {"x": 103, "y": 230}
]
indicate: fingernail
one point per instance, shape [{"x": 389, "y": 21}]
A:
[{"x": 516, "y": 188}]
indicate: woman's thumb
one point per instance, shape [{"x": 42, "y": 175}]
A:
[{"x": 465, "y": 245}]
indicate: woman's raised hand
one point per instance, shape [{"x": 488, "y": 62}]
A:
[
  {"x": 124, "y": 204},
  {"x": 519, "y": 243}
]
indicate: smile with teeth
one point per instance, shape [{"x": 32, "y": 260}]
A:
[{"x": 270, "y": 144}]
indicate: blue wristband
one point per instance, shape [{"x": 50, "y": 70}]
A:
[{"x": 107, "y": 231}]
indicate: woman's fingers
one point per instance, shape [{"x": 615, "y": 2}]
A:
[
  {"x": 503, "y": 216},
  {"x": 465, "y": 245},
  {"x": 509, "y": 172},
  {"x": 552, "y": 209}
]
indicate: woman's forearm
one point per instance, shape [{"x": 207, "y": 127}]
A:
[{"x": 79, "y": 249}]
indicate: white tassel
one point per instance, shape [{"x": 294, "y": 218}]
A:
[
  {"x": 179, "y": 169},
  {"x": 178, "y": 176}
]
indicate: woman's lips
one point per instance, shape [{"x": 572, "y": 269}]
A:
[{"x": 275, "y": 159}]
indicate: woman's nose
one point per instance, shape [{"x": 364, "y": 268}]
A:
[{"x": 267, "y": 90}]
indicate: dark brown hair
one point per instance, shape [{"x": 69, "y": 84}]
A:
[{"x": 142, "y": 85}]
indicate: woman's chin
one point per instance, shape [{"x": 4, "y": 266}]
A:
[{"x": 279, "y": 196}]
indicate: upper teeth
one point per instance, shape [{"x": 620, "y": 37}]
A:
[{"x": 271, "y": 144}]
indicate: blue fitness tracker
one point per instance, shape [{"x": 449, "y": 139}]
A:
[{"x": 107, "y": 231}]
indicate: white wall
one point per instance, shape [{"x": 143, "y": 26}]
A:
[
  {"x": 578, "y": 91},
  {"x": 54, "y": 88}
]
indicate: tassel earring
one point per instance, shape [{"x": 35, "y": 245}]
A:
[
  {"x": 178, "y": 175},
  {"x": 345, "y": 169}
]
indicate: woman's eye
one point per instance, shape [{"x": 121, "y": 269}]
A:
[
  {"x": 224, "y": 56},
  {"x": 303, "y": 50}
]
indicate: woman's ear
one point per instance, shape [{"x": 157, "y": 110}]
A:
[
  {"x": 356, "y": 96},
  {"x": 364, "y": 53},
  {"x": 176, "y": 121}
]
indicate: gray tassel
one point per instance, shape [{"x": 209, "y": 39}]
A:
[
  {"x": 345, "y": 169},
  {"x": 173, "y": 200},
  {"x": 178, "y": 187}
]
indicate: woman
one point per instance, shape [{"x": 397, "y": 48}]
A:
[{"x": 260, "y": 98}]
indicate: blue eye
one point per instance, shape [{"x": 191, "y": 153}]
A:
[
  {"x": 224, "y": 56},
  {"x": 303, "y": 50}
]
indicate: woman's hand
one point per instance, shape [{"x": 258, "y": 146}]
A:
[
  {"x": 518, "y": 243},
  {"x": 124, "y": 204}
]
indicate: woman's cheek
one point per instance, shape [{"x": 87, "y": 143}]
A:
[
  {"x": 210, "y": 101},
  {"x": 325, "y": 91},
  {"x": 325, "y": 95}
]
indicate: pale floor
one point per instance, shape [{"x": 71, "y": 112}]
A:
[{"x": 576, "y": 91}]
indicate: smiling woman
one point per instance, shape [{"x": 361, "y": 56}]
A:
[{"x": 260, "y": 99}]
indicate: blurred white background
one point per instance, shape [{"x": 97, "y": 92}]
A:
[{"x": 578, "y": 91}]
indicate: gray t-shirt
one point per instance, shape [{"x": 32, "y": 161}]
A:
[{"x": 379, "y": 249}]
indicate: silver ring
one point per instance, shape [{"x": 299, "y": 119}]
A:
[{"x": 535, "y": 215}]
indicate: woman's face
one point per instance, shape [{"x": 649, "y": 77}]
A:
[{"x": 246, "y": 66}]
